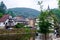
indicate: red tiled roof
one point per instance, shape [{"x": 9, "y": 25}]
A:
[{"x": 4, "y": 18}]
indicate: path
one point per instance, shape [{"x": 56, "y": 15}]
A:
[{"x": 53, "y": 37}]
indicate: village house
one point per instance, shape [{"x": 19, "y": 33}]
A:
[
  {"x": 20, "y": 19},
  {"x": 3, "y": 21},
  {"x": 31, "y": 22},
  {"x": 8, "y": 22}
]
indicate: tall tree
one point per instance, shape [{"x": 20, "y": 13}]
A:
[
  {"x": 45, "y": 19},
  {"x": 59, "y": 3},
  {"x": 2, "y": 8},
  {"x": 57, "y": 22},
  {"x": 44, "y": 24}
]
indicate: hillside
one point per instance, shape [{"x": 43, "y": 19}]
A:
[
  {"x": 25, "y": 12},
  {"x": 56, "y": 12}
]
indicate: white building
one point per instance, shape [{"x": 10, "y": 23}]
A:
[{"x": 3, "y": 21}]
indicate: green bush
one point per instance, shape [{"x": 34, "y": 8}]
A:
[
  {"x": 19, "y": 25},
  {"x": 1, "y": 15}
]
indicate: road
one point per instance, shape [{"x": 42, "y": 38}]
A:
[
  {"x": 37, "y": 38},
  {"x": 53, "y": 37}
]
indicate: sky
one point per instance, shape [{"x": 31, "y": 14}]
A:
[{"x": 30, "y": 4}]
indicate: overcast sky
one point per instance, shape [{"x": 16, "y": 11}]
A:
[{"x": 30, "y": 3}]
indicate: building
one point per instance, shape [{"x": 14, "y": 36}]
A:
[
  {"x": 20, "y": 19},
  {"x": 4, "y": 20},
  {"x": 36, "y": 23},
  {"x": 31, "y": 22},
  {"x": 10, "y": 23}
]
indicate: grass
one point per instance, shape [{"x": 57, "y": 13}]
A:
[{"x": 16, "y": 34}]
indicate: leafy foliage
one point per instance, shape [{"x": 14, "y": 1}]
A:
[
  {"x": 57, "y": 13},
  {"x": 10, "y": 13},
  {"x": 19, "y": 25},
  {"x": 25, "y": 12},
  {"x": 44, "y": 22},
  {"x": 2, "y": 8},
  {"x": 59, "y": 3},
  {"x": 1, "y": 15}
]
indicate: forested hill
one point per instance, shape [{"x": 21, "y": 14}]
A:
[
  {"x": 56, "y": 12},
  {"x": 25, "y": 12}
]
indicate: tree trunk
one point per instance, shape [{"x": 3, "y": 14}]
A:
[{"x": 45, "y": 37}]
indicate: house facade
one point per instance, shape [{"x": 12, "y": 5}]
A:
[
  {"x": 3, "y": 21},
  {"x": 7, "y": 21},
  {"x": 19, "y": 19},
  {"x": 31, "y": 22}
]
